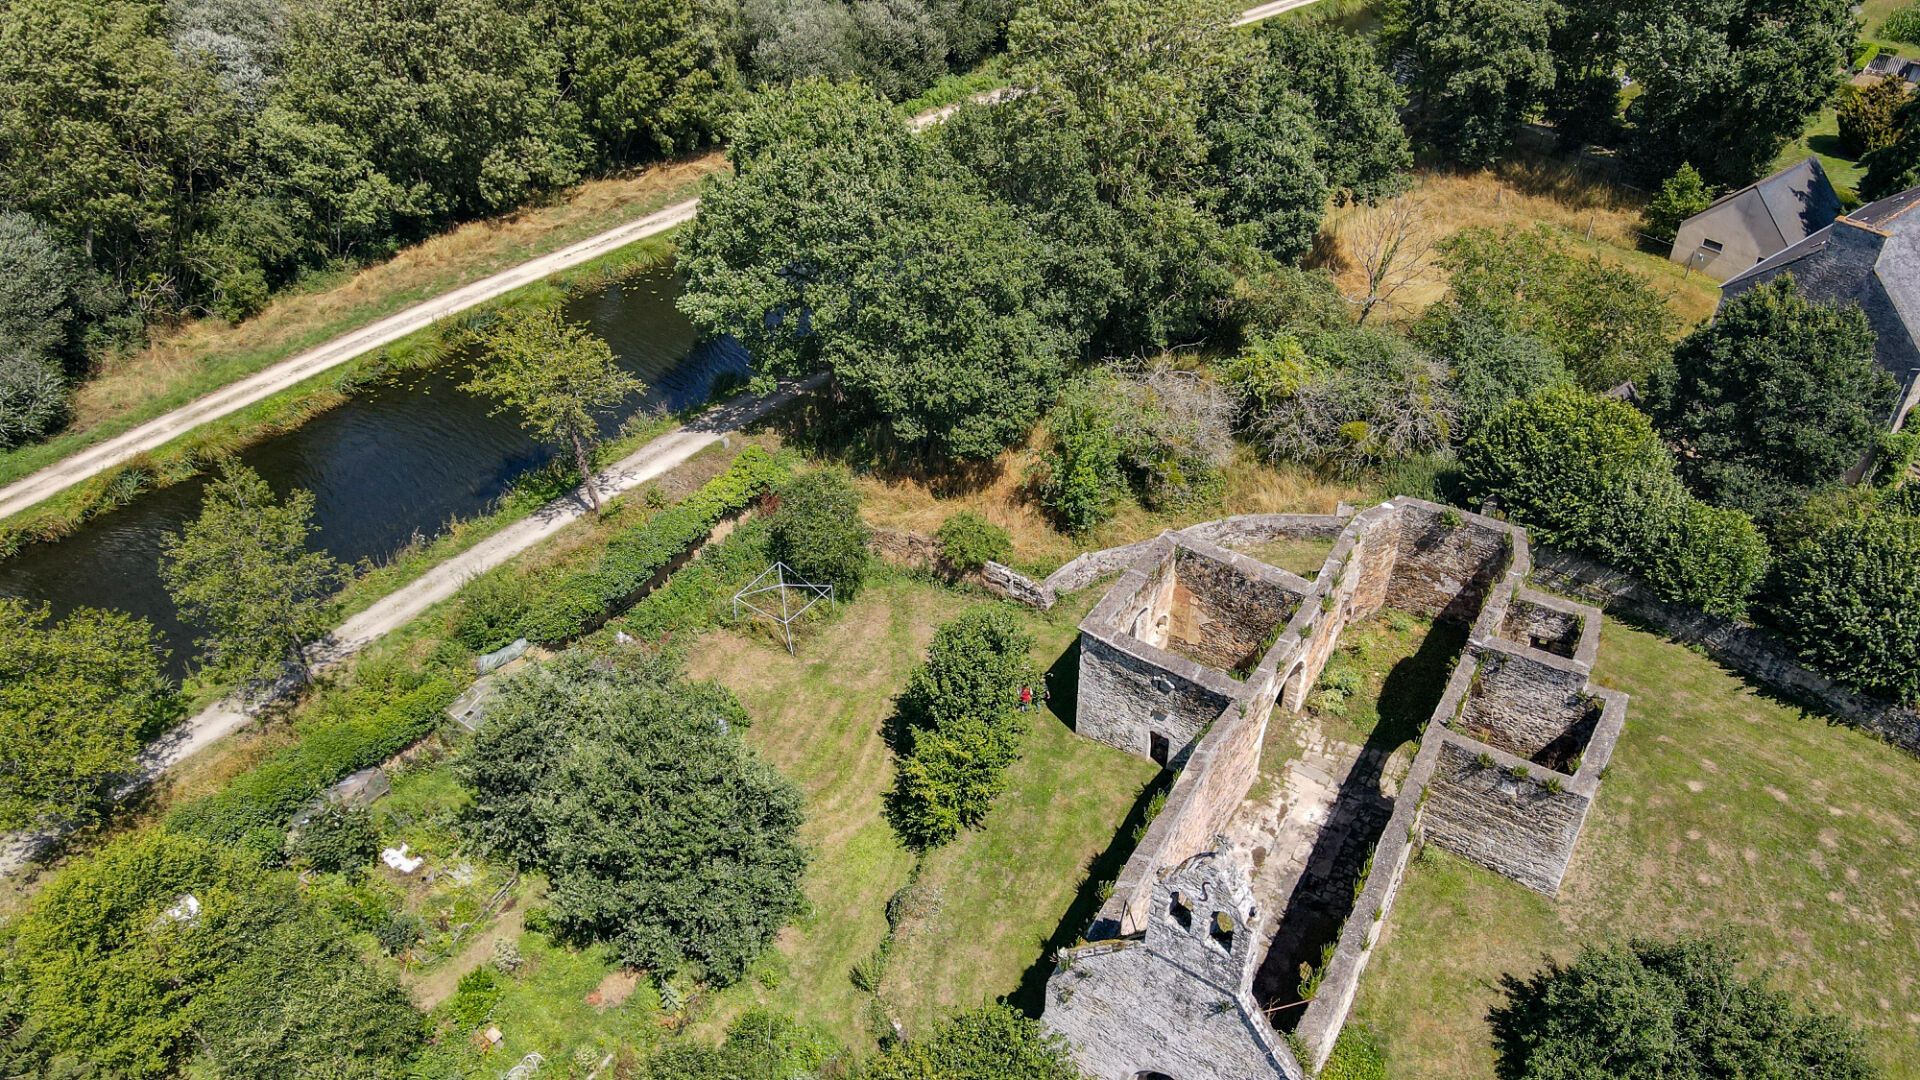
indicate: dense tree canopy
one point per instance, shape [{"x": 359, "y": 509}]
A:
[
  {"x": 1776, "y": 397},
  {"x": 661, "y": 832},
  {"x": 990, "y": 1043},
  {"x": 818, "y": 532},
  {"x": 1490, "y": 362},
  {"x": 1352, "y": 99},
  {"x": 845, "y": 243},
  {"x": 1677, "y": 1009},
  {"x": 77, "y": 698},
  {"x": 1478, "y": 68}
]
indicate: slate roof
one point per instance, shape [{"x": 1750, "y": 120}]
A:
[{"x": 1793, "y": 204}]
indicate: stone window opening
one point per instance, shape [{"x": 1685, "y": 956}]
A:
[
  {"x": 1151, "y": 1076},
  {"x": 1222, "y": 931},
  {"x": 1159, "y": 748},
  {"x": 1181, "y": 912}
]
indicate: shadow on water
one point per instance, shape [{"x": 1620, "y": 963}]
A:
[
  {"x": 402, "y": 458},
  {"x": 1342, "y": 852}
]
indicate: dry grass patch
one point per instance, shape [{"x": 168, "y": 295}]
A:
[
  {"x": 1601, "y": 218},
  {"x": 1253, "y": 486}
]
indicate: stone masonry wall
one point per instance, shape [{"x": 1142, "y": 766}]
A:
[
  {"x": 1547, "y": 628},
  {"x": 1515, "y": 825},
  {"x": 1749, "y": 650},
  {"x": 1524, "y": 703},
  {"x": 1225, "y": 611},
  {"x": 1127, "y": 694},
  {"x": 1445, "y": 563}
]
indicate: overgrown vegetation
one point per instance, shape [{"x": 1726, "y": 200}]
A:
[{"x": 628, "y": 786}]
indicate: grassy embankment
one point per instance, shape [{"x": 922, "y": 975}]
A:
[
  {"x": 1724, "y": 811},
  {"x": 186, "y": 362}
]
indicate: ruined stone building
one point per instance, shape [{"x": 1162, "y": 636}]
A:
[{"x": 1198, "y": 654}]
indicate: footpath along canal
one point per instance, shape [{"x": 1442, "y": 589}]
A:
[{"x": 400, "y": 458}]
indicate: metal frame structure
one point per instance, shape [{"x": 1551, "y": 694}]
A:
[{"x": 790, "y": 586}]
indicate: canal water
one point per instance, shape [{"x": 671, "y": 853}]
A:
[{"x": 402, "y": 457}]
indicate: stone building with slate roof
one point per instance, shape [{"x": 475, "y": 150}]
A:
[{"x": 1762, "y": 219}]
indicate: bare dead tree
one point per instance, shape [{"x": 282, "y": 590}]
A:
[{"x": 1393, "y": 242}]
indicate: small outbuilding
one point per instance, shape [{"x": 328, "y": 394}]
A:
[{"x": 1748, "y": 226}]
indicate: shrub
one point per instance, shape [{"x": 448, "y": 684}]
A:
[
  {"x": 384, "y": 712},
  {"x": 1849, "y": 601},
  {"x": 564, "y": 601},
  {"x": 336, "y": 839},
  {"x": 1176, "y": 435},
  {"x": 1588, "y": 473},
  {"x": 1079, "y": 480},
  {"x": 1681, "y": 196},
  {"x": 969, "y": 541},
  {"x": 1348, "y": 399},
  {"x": 33, "y": 399},
  {"x": 1678, "y": 1009},
  {"x": 493, "y": 610},
  {"x": 1356, "y": 1056},
  {"x": 1903, "y": 25},
  {"x": 990, "y": 1043},
  {"x": 1868, "y": 116},
  {"x": 662, "y": 833},
  {"x": 818, "y": 531},
  {"x": 1491, "y": 363},
  {"x": 962, "y": 724}
]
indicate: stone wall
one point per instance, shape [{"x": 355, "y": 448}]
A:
[
  {"x": 1225, "y": 607},
  {"x": 1446, "y": 561},
  {"x": 1749, "y": 650},
  {"x": 1549, "y": 629},
  {"x": 1503, "y": 815},
  {"x": 922, "y": 552},
  {"x": 1525, "y": 701},
  {"x": 1129, "y": 691}
]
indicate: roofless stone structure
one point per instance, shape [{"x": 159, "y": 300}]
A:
[{"x": 1193, "y": 656}]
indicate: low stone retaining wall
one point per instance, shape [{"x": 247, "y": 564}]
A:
[{"x": 1749, "y": 650}]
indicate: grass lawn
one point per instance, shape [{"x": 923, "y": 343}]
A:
[
  {"x": 1822, "y": 140},
  {"x": 1005, "y": 888},
  {"x": 1724, "y": 811}
]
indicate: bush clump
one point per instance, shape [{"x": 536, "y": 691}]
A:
[
  {"x": 627, "y": 785},
  {"x": 1588, "y": 473},
  {"x": 336, "y": 839},
  {"x": 1669, "y": 1009},
  {"x": 969, "y": 542},
  {"x": 1849, "y": 601},
  {"x": 961, "y": 724},
  {"x": 818, "y": 532}
]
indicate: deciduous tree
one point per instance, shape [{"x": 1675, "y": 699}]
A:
[
  {"x": 77, "y": 699},
  {"x": 1779, "y": 396},
  {"x": 1355, "y": 105},
  {"x": 243, "y": 571},
  {"x": 663, "y": 834},
  {"x": 558, "y": 377},
  {"x": 1478, "y": 69}
]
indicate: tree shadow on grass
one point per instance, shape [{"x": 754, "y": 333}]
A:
[
  {"x": 1515, "y": 1020},
  {"x": 822, "y": 427},
  {"x": 1031, "y": 996}
]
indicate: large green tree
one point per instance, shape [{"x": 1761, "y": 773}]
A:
[
  {"x": 457, "y": 102},
  {"x": 1353, "y": 100},
  {"x": 1895, "y": 166},
  {"x": 651, "y": 76},
  {"x": 77, "y": 697},
  {"x": 1679, "y": 1009},
  {"x": 558, "y": 376},
  {"x": 1265, "y": 172},
  {"x": 1478, "y": 69},
  {"x": 846, "y": 244},
  {"x": 243, "y": 572},
  {"x": 1725, "y": 84},
  {"x": 661, "y": 832},
  {"x": 1778, "y": 396}
]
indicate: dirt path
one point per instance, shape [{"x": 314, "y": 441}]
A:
[{"x": 396, "y": 609}]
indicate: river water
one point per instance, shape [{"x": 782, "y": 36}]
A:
[{"x": 402, "y": 457}]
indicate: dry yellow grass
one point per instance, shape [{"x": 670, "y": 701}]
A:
[
  {"x": 1601, "y": 217},
  {"x": 1253, "y": 486},
  {"x": 181, "y": 356}
]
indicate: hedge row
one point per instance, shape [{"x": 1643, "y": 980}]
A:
[
  {"x": 571, "y": 603},
  {"x": 1589, "y": 473},
  {"x": 695, "y": 598},
  {"x": 389, "y": 709}
]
